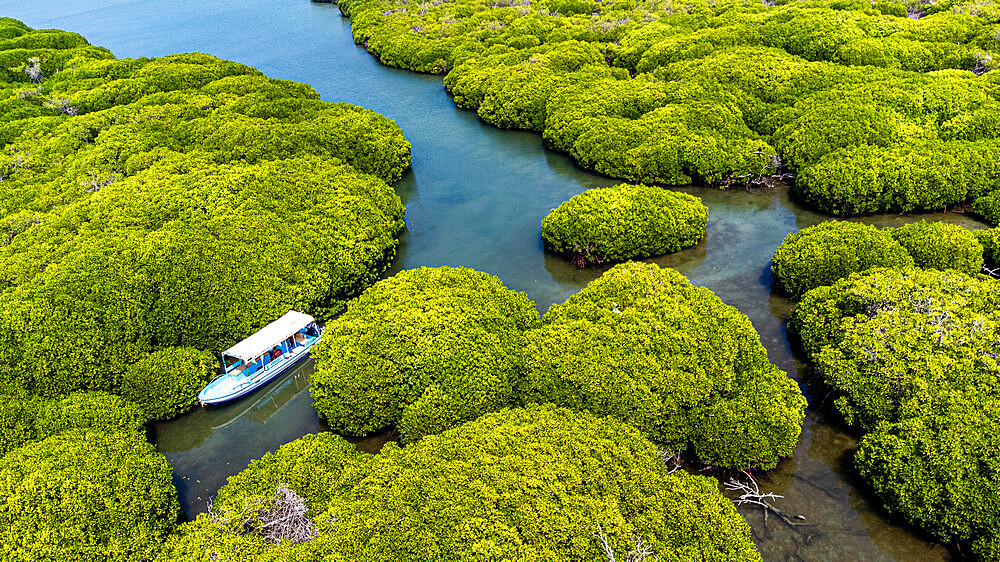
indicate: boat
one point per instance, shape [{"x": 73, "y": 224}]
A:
[{"x": 260, "y": 358}]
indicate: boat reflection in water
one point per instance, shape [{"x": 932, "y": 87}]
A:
[{"x": 207, "y": 445}]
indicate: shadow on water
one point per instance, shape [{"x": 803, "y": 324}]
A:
[
  {"x": 476, "y": 197},
  {"x": 207, "y": 445}
]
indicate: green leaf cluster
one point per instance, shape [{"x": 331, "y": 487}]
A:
[
  {"x": 198, "y": 259},
  {"x": 152, "y": 208},
  {"x": 25, "y": 417},
  {"x": 424, "y": 350},
  {"x": 432, "y": 348},
  {"x": 939, "y": 245},
  {"x": 85, "y": 495},
  {"x": 913, "y": 358},
  {"x": 166, "y": 382},
  {"x": 988, "y": 207},
  {"x": 152, "y": 212},
  {"x": 821, "y": 254},
  {"x": 624, "y": 222},
  {"x": 832, "y": 250},
  {"x": 875, "y": 106},
  {"x": 940, "y": 468},
  {"x": 642, "y": 344},
  {"x": 883, "y": 336},
  {"x": 990, "y": 239},
  {"x": 322, "y": 467},
  {"x": 524, "y": 484}
]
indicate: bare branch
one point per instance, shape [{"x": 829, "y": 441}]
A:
[
  {"x": 640, "y": 553},
  {"x": 608, "y": 551},
  {"x": 671, "y": 459},
  {"x": 983, "y": 63},
  {"x": 95, "y": 182},
  {"x": 34, "y": 70},
  {"x": 62, "y": 106},
  {"x": 750, "y": 494},
  {"x": 281, "y": 517}
]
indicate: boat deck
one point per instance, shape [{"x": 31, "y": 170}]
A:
[{"x": 235, "y": 383}]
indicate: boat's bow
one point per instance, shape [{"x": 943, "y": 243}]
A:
[{"x": 220, "y": 389}]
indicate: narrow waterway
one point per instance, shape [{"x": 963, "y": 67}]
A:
[{"x": 475, "y": 197}]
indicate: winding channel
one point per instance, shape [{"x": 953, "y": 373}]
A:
[{"x": 475, "y": 197}]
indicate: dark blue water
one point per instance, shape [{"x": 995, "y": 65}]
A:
[{"x": 475, "y": 197}]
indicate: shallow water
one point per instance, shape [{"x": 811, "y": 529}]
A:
[{"x": 475, "y": 197}]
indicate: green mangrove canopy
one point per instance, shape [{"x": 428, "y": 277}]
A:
[
  {"x": 623, "y": 222},
  {"x": 152, "y": 208},
  {"x": 644, "y": 345},
  {"x": 424, "y": 350},
  {"x": 85, "y": 495},
  {"x": 912, "y": 356},
  {"x": 875, "y": 106},
  {"x": 531, "y": 484}
]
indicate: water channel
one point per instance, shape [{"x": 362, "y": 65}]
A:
[{"x": 475, "y": 197}]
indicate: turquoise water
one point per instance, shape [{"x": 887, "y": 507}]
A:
[{"x": 475, "y": 197}]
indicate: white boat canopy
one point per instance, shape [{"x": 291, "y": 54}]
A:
[{"x": 269, "y": 336}]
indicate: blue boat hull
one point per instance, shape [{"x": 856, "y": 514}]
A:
[{"x": 230, "y": 387}]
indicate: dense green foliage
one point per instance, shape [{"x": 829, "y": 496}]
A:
[
  {"x": 88, "y": 410},
  {"x": 990, "y": 239},
  {"x": 18, "y": 414},
  {"x": 424, "y": 350},
  {"x": 643, "y": 344},
  {"x": 821, "y": 254},
  {"x": 913, "y": 357},
  {"x": 205, "y": 541},
  {"x": 152, "y": 212},
  {"x": 940, "y": 245},
  {"x": 131, "y": 277},
  {"x": 166, "y": 382},
  {"x": 876, "y": 106},
  {"x": 85, "y": 495},
  {"x": 988, "y": 207},
  {"x": 151, "y": 208},
  {"x": 322, "y": 468},
  {"x": 25, "y": 417},
  {"x": 624, "y": 222},
  {"x": 939, "y": 467},
  {"x": 883, "y": 337},
  {"x": 532, "y": 484}
]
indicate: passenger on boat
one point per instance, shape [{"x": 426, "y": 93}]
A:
[{"x": 275, "y": 353}]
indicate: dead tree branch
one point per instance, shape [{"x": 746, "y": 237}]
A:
[
  {"x": 281, "y": 517},
  {"x": 34, "y": 70},
  {"x": 671, "y": 459},
  {"x": 640, "y": 553},
  {"x": 750, "y": 494},
  {"x": 62, "y": 105}
]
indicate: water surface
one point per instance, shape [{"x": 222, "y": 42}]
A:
[{"x": 475, "y": 197}]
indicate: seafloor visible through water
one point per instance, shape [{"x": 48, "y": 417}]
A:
[{"x": 475, "y": 198}]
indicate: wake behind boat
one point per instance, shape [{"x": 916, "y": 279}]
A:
[{"x": 260, "y": 358}]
